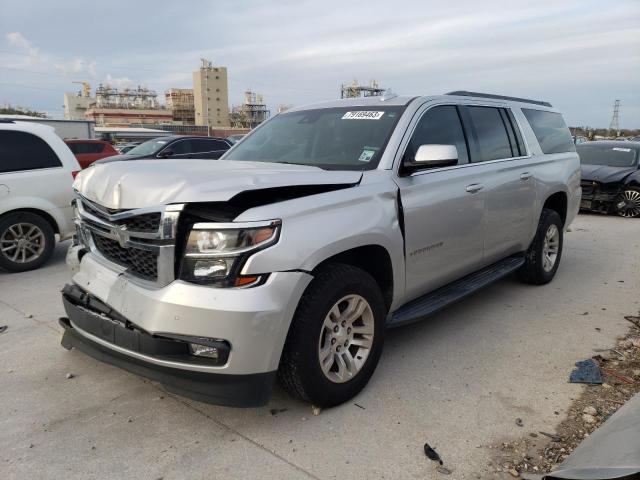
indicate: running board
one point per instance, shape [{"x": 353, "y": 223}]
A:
[{"x": 444, "y": 296}]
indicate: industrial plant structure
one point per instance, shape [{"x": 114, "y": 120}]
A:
[
  {"x": 251, "y": 113},
  {"x": 210, "y": 95},
  {"x": 198, "y": 111},
  {"x": 181, "y": 103},
  {"x": 355, "y": 90}
]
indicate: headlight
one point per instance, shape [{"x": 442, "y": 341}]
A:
[{"x": 215, "y": 252}]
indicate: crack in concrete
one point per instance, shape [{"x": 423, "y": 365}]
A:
[{"x": 241, "y": 435}]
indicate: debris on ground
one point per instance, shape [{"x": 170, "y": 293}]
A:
[
  {"x": 315, "y": 410},
  {"x": 69, "y": 375},
  {"x": 3, "y": 328},
  {"x": 359, "y": 406},
  {"x": 276, "y": 411},
  {"x": 588, "y": 371},
  {"x": 519, "y": 422},
  {"x": 539, "y": 455},
  {"x": 432, "y": 454},
  {"x": 443, "y": 470}
]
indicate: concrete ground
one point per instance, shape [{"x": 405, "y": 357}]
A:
[{"x": 456, "y": 381}]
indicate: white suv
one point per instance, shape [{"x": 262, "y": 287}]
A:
[{"x": 36, "y": 177}]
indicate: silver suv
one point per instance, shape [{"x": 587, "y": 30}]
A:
[{"x": 291, "y": 255}]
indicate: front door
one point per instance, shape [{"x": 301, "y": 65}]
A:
[{"x": 443, "y": 208}]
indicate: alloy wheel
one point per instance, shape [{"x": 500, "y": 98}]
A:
[
  {"x": 550, "y": 248},
  {"x": 628, "y": 204},
  {"x": 22, "y": 243},
  {"x": 346, "y": 338}
]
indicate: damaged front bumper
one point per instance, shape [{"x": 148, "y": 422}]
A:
[
  {"x": 148, "y": 331},
  {"x": 595, "y": 199}
]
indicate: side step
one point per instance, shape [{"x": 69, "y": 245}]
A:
[{"x": 442, "y": 297}]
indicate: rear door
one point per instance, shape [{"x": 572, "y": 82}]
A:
[
  {"x": 443, "y": 207},
  {"x": 499, "y": 152}
]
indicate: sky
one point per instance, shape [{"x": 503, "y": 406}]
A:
[{"x": 580, "y": 55}]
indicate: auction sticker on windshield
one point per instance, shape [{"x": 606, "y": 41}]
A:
[{"x": 362, "y": 115}]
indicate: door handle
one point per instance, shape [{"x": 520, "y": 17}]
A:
[
  {"x": 525, "y": 176},
  {"x": 474, "y": 187}
]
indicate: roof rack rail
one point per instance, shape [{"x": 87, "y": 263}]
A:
[
  {"x": 6, "y": 120},
  {"x": 464, "y": 93}
]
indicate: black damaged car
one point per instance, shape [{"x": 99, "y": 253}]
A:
[{"x": 610, "y": 177}]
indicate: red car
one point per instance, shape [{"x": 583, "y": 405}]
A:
[{"x": 88, "y": 151}]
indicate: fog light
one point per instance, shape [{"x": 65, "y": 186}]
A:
[{"x": 204, "y": 351}]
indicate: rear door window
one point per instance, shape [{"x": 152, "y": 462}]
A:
[
  {"x": 550, "y": 130},
  {"x": 20, "y": 151},
  {"x": 491, "y": 135}
]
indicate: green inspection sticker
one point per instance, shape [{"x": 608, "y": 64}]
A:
[{"x": 367, "y": 154}]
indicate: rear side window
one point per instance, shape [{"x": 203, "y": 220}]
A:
[
  {"x": 209, "y": 145},
  {"x": 89, "y": 147},
  {"x": 21, "y": 151},
  {"x": 550, "y": 130},
  {"x": 491, "y": 134},
  {"x": 439, "y": 125},
  {"x": 181, "y": 147}
]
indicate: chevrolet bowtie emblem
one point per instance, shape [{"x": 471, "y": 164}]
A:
[{"x": 121, "y": 234}]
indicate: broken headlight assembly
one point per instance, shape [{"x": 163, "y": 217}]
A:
[{"x": 215, "y": 253}]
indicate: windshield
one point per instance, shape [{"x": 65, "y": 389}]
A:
[
  {"x": 330, "y": 138},
  {"x": 613, "y": 156},
  {"x": 149, "y": 147}
]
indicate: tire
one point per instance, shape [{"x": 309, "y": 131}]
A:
[
  {"x": 536, "y": 270},
  {"x": 26, "y": 241},
  {"x": 313, "y": 331},
  {"x": 628, "y": 203}
]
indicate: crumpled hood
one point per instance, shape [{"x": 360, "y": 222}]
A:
[
  {"x": 123, "y": 185},
  {"x": 605, "y": 173}
]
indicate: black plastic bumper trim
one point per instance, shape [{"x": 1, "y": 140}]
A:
[{"x": 253, "y": 390}]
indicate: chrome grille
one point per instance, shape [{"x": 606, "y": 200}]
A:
[
  {"x": 142, "y": 241},
  {"x": 142, "y": 263}
]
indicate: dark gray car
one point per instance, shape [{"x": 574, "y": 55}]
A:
[{"x": 175, "y": 147}]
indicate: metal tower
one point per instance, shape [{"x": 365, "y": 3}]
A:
[{"x": 615, "y": 123}]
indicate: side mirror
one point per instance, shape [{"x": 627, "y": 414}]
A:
[
  {"x": 431, "y": 156},
  {"x": 167, "y": 152}
]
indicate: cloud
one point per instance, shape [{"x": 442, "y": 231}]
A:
[
  {"x": 576, "y": 54},
  {"x": 117, "y": 82},
  {"x": 91, "y": 69},
  {"x": 19, "y": 40},
  {"x": 76, "y": 65}
]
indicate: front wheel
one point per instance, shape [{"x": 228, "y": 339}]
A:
[
  {"x": 543, "y": 256},
  {"x": 336, "y": 337},
  {"x": 628, "y": 203}
]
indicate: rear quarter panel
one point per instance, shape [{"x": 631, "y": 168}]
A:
[{"x": 553, "y": 173}]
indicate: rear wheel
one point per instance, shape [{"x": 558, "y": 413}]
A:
[
  {"x": 26, "y": 241},
  {"x": 628, "y": 203},
  {"x": 336, "y": 337},
  {"x": 543, "y": 256}
]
